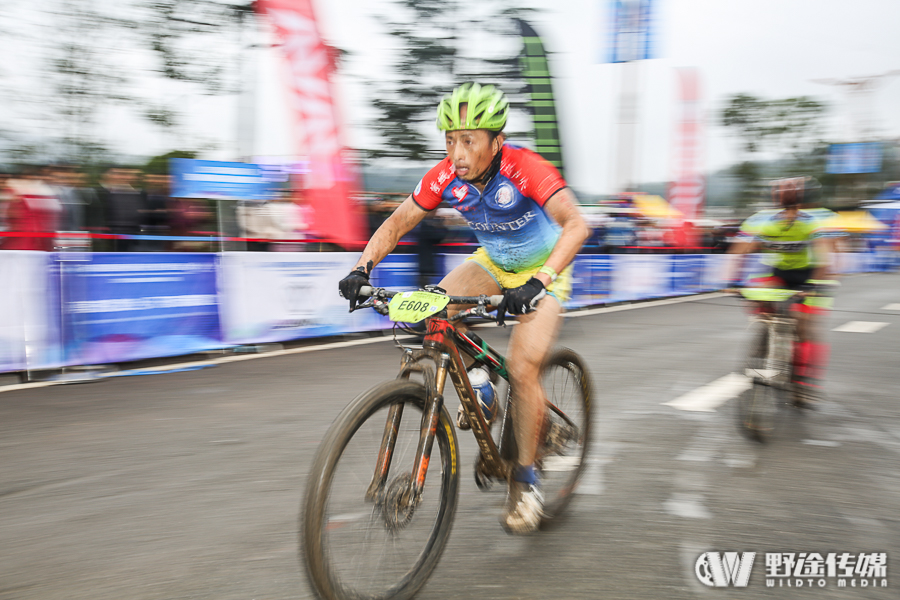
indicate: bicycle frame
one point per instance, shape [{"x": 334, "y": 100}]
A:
[{"x": 442, "y": 348}]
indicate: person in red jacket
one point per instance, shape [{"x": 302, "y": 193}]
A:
[{"x": 31, "y": 208}]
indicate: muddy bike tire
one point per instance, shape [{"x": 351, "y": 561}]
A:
[
  {"x": 346, "y": 542},
  {"x": 563, "y": 452}
]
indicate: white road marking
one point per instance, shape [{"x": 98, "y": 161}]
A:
[
  {"x": 861, "y": 326},
  {"x": 218, "y": 361},
  {"x": 650, "y": 304},
  {"x": 561, "y": 464},
  {"x": 828, "y": 443},
  {"x": 891, "y": 307},
  {"x": 697, "y": 455},
  {"x": 688, "y": 506},
  {"x": 592, "y": 481},
  {"x": 611, "y": 309},
  {"x": 761, "y": 373},
  {"x": 711, "y": 395}
]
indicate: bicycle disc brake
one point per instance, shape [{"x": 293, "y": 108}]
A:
[
  {"x": 559, "y": 434},
  {"x": 398, "y": 508}
]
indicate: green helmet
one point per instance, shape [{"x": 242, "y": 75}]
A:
[{"x": 488, "y": 108}]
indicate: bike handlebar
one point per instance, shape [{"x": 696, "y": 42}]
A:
[{"x": 368, "y": 291}]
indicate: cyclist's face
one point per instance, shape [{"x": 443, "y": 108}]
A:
[{"x": 471, "y": 150}]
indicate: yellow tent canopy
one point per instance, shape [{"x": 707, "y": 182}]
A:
[
  {"x": 655, "y": 207},
  {"x": 853, "y": 221}
]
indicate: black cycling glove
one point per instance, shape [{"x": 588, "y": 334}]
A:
[
  {"x": 521, "y": 300},
  {"x": 350, "y": 285}
]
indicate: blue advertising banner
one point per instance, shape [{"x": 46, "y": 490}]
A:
[
  {"x": 687, "y": 273},
  {"x": 398, "y": 271},
  {"x": 221, "y": 180},
  {"x": 846, "y": 159},
  {"x": 59, "y": 309},
  {"x": 277, "y": 296},
  {"x": 633, "y": 31},
  {"x": 591, "y": 280},
  {"x": 122, "y": 307}
]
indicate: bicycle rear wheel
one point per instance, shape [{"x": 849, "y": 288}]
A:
[
  {"x": 378, "y": 548},
  {"x": 566, "y": 435},
  {"x": 758, "y": 406}
]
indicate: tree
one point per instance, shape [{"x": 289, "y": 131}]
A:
[
  {"x": 431, "y": 61},
  {"x": 787, "y": 125},
  {"x": 789, "y": 129},
  {"x": 159, "y": 165},
  {"x": 96, "y": 54}
]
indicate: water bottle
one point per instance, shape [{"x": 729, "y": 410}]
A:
[{"x": 484, "y": 390}]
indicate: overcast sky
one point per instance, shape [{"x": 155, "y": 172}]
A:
[{"x": 770, "y": 48}]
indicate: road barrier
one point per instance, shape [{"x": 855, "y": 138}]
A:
[{"x": 79, "y": 308}]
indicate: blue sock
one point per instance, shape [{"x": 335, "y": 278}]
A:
[{"x": 525, "y": 474}]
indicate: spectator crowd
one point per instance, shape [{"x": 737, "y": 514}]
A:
[{"x": 126, "y": 210}]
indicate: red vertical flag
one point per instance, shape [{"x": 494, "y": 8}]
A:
[
  {"x": 310, "y": 65},
  {"x": 688, "y": 189}
]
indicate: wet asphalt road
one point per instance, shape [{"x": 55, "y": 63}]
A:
[{"x": 187, "y": 485}]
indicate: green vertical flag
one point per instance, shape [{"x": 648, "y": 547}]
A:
[{"x": 536, "y": 71}]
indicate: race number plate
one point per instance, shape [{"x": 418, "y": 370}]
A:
[
  {"x": 412, "y": 307},
  {"x": 766, "y": 294}
]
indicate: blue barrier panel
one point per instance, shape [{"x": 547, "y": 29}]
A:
[
  {"x": 639, "y": 276},
  {"x": 883, "y": 258},
  {"x": 278, "y": 296},
  {"x": 397, "y": 272},
  {"x": 686, "y": 273},
  {"x": 82, "y": 308},
  {"x": 592, "y": 280},
  {"x": 121, "y": 307}
]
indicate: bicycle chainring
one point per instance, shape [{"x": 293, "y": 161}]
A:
[{"x": 484, "y": 481}]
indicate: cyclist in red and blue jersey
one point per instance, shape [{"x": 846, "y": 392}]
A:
[{"x": 530, "y": 230}]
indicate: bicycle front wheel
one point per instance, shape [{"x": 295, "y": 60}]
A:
[
  {"x": 758, "y": 406},
  {"x": 360, "y": 545},
  {"x": 566, "y": 434}
]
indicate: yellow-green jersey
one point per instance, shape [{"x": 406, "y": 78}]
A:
[{"x": 787, "y": 243}]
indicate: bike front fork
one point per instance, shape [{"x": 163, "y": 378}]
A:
[{"x": 431, "y": 415}]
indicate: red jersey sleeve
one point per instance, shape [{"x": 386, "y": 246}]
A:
[
  {"x": 533, "y": 175},
  {"x": 428, "y": 193}
]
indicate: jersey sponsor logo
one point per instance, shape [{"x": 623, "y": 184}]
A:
[
  {"x": 418, "y": 188},
  {"x": 505, "y": 195},
  {"x": 435, "y": 187},
  {"x": 508, "y": 226},
  {"x": 460, "y": 192},
  {"x": 444, "y": 176},
  {"x": 785, "y": 246}
]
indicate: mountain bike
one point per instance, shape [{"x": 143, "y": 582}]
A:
[
  {"x": 382, "y": 495},
  {"x": 770, "y": 358}
]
